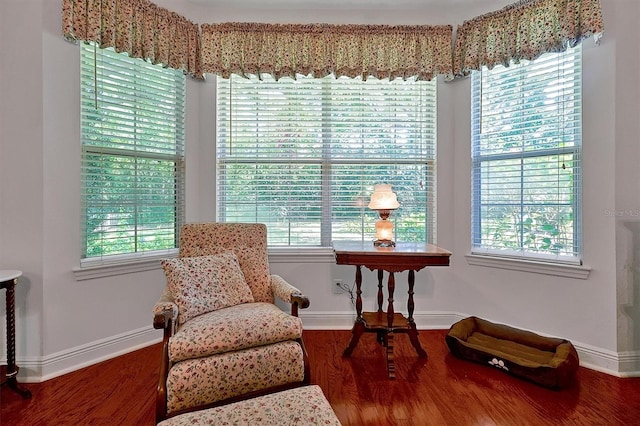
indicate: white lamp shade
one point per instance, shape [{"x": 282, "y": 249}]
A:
[{"x": 383, "y": 198}]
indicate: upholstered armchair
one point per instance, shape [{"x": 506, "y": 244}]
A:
[{"x": 224, "y": 337}]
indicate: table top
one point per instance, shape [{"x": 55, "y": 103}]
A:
[
  {"x": 9, "y": 274},
  {"x": 402, "y": 257},
  {"x": 401, "y": 249}
]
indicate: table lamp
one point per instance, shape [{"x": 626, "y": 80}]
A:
[{"x": 384, "y": 200}]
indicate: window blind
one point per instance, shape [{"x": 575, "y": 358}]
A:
[
  {"x": 304, "y": 155},
  {"x": 526, "y": 168},
  {"x": 132, "y": 132}
]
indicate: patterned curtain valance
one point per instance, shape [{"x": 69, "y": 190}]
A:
[
  {"x": 321, "y": 49},
  {"x": 137, "y": 27},
  {"x": 525, "y": 30}
]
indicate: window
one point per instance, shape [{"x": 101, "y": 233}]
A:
[
  {"x": 526, "y": 143},
  {"x": 132, "y": 131},
  {"x": 303, "y": 156}
]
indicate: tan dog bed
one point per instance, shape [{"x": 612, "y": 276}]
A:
[{"x": 547, "y": 361}]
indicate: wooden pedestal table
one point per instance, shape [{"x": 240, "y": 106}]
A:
[
  {"x": 410, "y": 257},
  {"x": 9, "y": 372}
]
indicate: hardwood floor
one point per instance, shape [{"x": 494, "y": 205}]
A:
[{"x": 439, "y": 390}]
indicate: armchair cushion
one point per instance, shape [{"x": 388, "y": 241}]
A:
[
  {"x": 203, "y": 284},
  {"x": 231, "y": 329}
]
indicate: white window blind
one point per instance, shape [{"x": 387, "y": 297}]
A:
[
  {"x": 132, "y": 131},
  {"x": 526, "y": 144},
  {"x": 303, "y": 156}
]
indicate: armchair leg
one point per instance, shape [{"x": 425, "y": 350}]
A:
[{"x": 161, "y": 393}]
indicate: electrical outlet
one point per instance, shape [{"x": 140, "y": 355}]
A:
[{"x": 337, "y": 286}]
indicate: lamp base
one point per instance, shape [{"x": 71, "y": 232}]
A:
[{"x": 384, "y": 243}]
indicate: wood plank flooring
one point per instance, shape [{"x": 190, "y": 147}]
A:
[{"x": 439, "y": 390}]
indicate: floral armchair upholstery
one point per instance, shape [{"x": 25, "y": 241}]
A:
[{"x": 224, "y": 337}]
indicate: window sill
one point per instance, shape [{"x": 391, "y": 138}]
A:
[
  {"x": 536, "y": 267},
  {"x": 301, "y": 255},
  {"x": 131, "y": 265}
]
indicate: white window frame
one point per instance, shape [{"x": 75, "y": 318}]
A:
[
  {"x": 545, "y": 263},
  {"x": 162, "y": 148},
  {"x": 225, "y": 144}
]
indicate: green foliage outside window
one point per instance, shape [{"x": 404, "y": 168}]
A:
[
  {"x": 132, "y": 131},
  {"x": 526, "y": 130},
  {"x": 303, "y": 156}
]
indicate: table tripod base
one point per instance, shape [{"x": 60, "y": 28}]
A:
[{"x": 11, "y": 380}]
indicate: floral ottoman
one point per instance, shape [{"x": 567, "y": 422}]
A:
[{"x": 299, "y": 406}]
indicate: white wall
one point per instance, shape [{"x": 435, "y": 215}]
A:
[
  {"x": 627, "y": 175},
  {"x": 21, "y": 166},
  {"x": 64, "y": 323}
]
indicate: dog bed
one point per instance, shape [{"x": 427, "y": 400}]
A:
[{"x": 547, "y": 361}]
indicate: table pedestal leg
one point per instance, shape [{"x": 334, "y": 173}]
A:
[
  {"x": 413, "y": 331},
  {"x": 356, "y": 333},
  {"x": 415, "y": 342},
  {"x": 11, "y": 369},
  {"x": 385, "y": 332},
  {"x": 391, "y": 286},
  {"x": 380, "y": 294},
  {"x": 391, "y": 366},
  {"x": 381, "y": 335},
  {"x": 358, "y": 327},
  {"x": 16, "y": 387}
]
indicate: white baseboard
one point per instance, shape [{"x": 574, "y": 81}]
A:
[
  {"x": 626, "y": 364},
  {"x": 320, "y": 320},
  {"x": 629, "y": 364},
  {"x": 38, "y": 370},
  {"x": 34, "y": 370},
  {"x": 620, "y": 364}
]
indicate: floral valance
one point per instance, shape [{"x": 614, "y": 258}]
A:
[
  {"x": 321, "y": 49},
  {"x": 525, "y": 30},
  {"x": 137, "y": 27}
]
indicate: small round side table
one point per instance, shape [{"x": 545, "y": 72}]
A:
[{"x": 9, "y": 373}]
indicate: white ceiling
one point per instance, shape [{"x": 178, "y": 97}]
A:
[{"x": 336, "y": 4}]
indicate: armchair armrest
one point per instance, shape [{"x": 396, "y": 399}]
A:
[
  {"x": 165, "y": 311},
  {"x": 162, "y": 319},
  {"x": 289, "y": 294}
]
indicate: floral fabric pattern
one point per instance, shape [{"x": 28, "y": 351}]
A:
[
  {"x": 381, "y": 51},
  {"x": 237, "y": 349},
  {"x": 247, "y": 240},
  {"x": 282, "y": 289},
  {"x": 166, "y": 303},
  {"x": 206, "y": 283},
  {"x": 525, "y": 30},
  {"x": 231, "y": 329},
  {"x": 201, "y": 381},
  {"x": 137, "y": 27},
  {"x": 300, "y": 406}
]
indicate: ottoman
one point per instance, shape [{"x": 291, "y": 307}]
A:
[{"x": 304, "y": 405}]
